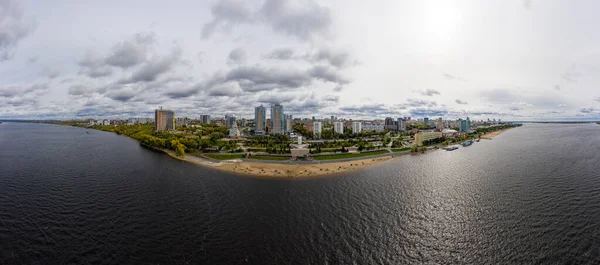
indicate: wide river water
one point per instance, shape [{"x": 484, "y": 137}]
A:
[{"x": 529, "y": 196}]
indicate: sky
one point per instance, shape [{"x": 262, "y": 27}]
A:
[{"x": 510, "y": 60}]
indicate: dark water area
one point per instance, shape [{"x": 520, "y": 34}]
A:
[{"x": 530, "y": 196}]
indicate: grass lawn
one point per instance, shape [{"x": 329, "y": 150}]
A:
[
  {"x": 344, "y": 156},
  {"x": 401, "y": 149},
  {"x": 225, "y": 156},
  {"x": 270, "y": 157}
]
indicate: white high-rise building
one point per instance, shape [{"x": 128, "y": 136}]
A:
[
  {"x": 317, "y": 128},
  {"x": 401, "y": 124},
  {"x": 338, "y": 127},
  {"x": 356, "y": 127}
]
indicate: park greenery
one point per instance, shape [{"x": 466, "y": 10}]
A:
[
  {"x": 349, "y": 155},
  {"x": 208, "y": 138}
]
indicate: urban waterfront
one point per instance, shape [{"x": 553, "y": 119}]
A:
[{"x": 530, "y": 195}]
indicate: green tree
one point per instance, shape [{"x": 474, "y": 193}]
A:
[{"x": 180, "y": 150}]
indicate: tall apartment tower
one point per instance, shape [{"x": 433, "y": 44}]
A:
[
  {"x": 288, "y": 123},
  {"x": 356, "y": 127},
  {"x": 260, "y": 120},
  {"x": 401, "y": 124},
  {"x": 164, "y": 120},
  {"x": 317, "y": 127},
  {"x": 204, "y": 119},
  {"x": 277, "y": 119},
  {"x": 338, "y": 127}
]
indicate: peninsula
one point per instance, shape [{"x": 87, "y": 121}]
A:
[{"x": 297, "y": 153}]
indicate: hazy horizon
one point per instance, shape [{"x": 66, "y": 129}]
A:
[{"x": 511, "y": 60}]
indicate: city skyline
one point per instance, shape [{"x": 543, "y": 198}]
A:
[{"x": 226, "y": 56}]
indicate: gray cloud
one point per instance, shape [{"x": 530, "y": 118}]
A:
[
  {"x": 278, "y": 98},
  {"x": 418, "y": 103},
  {"x": 280, "y": 54},
  {"x": 597, "y": 99},
  {"x": 121, "y": 95},
  {"x": 571, "y": 75},
  {"x": 14, "y": 27},
  {"x": 32, "y": 59},
  {"x": 255, "y": 78},
  {"x": 334, "y": 57},
  {"x": 527, "y": 4},
  {"x": 557, "y": 87},
  {"x": 331, "y": 98},
  {"x": 230, "y": 89},
  {"x": 131, "y": 52},
  {"x": 303, "y": 20},
  {"x": 430, "y": 92},
  {"x": 327, "y": 74},
  {"x": 587, "y": 110},
  {"x": 236, "y": 56},
  {"x": 52, "y": 73},
  {"x": 227, "y": 13},
  {"x": 423, "y": 112},
  {"x": 93, "y": 66},
  {"x": 453, "y": 77},
  {"x": 461, "y": 102},
  {"x": 200, "y": 57},
  {"x": 155, "y": 67},
  {"x": 78, "y": 90},
  {"x": 499, "y": 96}
]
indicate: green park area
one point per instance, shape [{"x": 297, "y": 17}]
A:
[{"x": 349, "y": 155}]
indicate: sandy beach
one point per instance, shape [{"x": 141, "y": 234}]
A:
[
  {"x": 274, "y": 170},
  {"x": 491, "y": 135}
]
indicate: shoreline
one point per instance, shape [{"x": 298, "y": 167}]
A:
[
  {"x": 490, "y": 136},
  {"x": 279, "y": 170}
]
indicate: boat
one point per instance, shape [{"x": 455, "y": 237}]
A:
[
  {"x": 467, "y": 143},
  {"x": 451, "y": 148}
]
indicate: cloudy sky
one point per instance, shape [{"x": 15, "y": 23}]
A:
[{"x": 514, "y": 59}]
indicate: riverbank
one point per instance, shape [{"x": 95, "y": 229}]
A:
[
  {"x": 279, "y": 170},
  {"x": 491, "y": 135}
]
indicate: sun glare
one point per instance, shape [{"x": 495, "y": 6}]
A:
[{"x": 441, "y": 20}]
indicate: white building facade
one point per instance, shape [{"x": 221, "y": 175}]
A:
[
  {"x": 356, "y": 127},
  {"x": 338, "y": 127}
]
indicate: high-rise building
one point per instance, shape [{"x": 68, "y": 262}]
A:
[
  {"x": 356, "y": 127},
  {"x": 288, "y": 123},
  {"x": 439, "y": 124},
  {"x": 164, "y": 120},
  {"x": 317, "y": 127},
  {"x": 462, "y": 124},
  {"x": 338, "y": 127},
  {"x": 468, "y": 124},
  {"x": 390, "y": 124},
  {"x": 260, "y": 120},
  {"x": 204, "y": 119},
  {"x": 426, "y": 120},
  {"x": 230, "y": 120},
  {"x": 401, "y": 124},
  {"x": 277, "y": 119}
]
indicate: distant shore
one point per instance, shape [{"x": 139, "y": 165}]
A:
[{"x": 491, "y": 135}]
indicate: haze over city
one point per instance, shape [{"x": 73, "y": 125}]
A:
[{"x": 511, "y": 60}]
